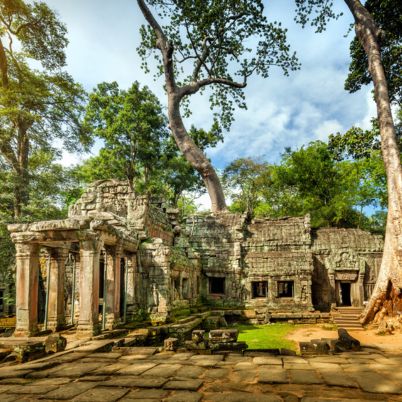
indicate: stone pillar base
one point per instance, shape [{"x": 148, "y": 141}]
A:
[
  {"x": 111, "y": 321},
  {"x": 23, "y": 333},
  {"x": 54, "y": 326},
  {"x": 85, "y": 330}
]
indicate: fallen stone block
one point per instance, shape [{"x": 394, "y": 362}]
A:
[
  {"x": 191, "y": 345},
  {"x": 55, "y": 343},
  {"x": 197, "y": 335},
  {"x": 223, "y": 335},
  {"x": 170, "y": 344},
  {"x": 314, "y": 347},
  {"x": 229, "y": 346},
  {"x": 346, "y": 341}
]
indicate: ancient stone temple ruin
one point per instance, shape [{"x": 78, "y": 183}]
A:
[{"x": 119, "y": 256}]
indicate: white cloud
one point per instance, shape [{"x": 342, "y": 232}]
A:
[
  {"x": 326, "y": 128},
  {"x": 282, "y": 111},
  {"x": 203, "y": 202},
  {"x": 371, "y": 111}
]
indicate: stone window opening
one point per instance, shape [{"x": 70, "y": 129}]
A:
[
  {"x": 259, "y": 289},
  {"x": 217, "y": 286},
  {"x": 285, "y": 288}
]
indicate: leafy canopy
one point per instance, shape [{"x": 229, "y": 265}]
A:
[
  {"x": 137, "y": 143},
  {"x": 309, "y": 180},
  {"x": 387, "y": 15},
  {"x": 220, "y": 43}
]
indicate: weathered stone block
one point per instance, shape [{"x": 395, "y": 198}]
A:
[
  {"x": 197, "y": 335},
  {"x": 223, "y": 335},
  {"x": 170, "y": 344},
  {"x": 55, "y": 343}
]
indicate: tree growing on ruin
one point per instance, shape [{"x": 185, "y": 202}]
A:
[
  {"x": 137, "y": 145},
  {"x": 387, "y": 295},
  {"x": 38, "y": 105},
  {"x": 212, "y": 44}
]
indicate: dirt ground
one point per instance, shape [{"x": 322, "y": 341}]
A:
[{"x": 367, "y": 338}]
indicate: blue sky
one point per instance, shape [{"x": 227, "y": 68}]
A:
[{"x": 282, "y": 111}]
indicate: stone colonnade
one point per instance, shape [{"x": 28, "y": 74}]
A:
[{"x": 116, "y": 253}]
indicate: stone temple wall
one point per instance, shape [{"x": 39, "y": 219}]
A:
[
  {"x": 343, "y": 256},
  {"x": 277, "y": 255},
  {"x": 163, "y": 266},
  {"x": 218, "y": 241},
  {"x": 264, "y": 263},
  {"x": 165, "y": 274}
]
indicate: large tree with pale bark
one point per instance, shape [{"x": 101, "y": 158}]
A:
[
  {"x": 386, "y": 298},
  {"x": 214, "y": 44},
  {"x": 39, "y": 102}
]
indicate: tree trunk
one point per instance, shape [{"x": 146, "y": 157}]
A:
[
  {"x": 388, "y": 289},
  {"x": 195, "y": 156},
  {"x": 190, "y": 151},
  {"x": 21, "y": 194}
]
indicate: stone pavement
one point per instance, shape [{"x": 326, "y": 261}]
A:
[{"x": 141, "y": 374}]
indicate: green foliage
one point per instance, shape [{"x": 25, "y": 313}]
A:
[
  {"x": 133, "y": 128},
  {"x": 38, "y": 106},
  {"x": 242, "y": 179},
  {"x": 316, "y": 12},
  {"x": 310, "y": 180},
  {"x": 137, "y": 144},
  {"x": 186, "y": 206},
  {"x": 387, "y": 16},
  {"x": 270, "y": 336},
  {"x": 211, "y": 44}
]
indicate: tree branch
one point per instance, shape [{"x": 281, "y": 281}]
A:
[
  {"x": 193, "y": 87},
  {"x": 202, "y": 59},
  {"x": 163, "y": 44}
]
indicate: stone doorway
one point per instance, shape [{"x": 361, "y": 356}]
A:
[{"x": 344, "y": 293}]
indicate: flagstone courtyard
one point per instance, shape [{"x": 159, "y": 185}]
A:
[{"x": 89, "y": 373}]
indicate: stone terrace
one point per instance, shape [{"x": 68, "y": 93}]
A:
[{"x": 141, "y": 374}]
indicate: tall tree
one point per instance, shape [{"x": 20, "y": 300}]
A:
[
  {"x": 209, "y": 44},
  {"x": 37, "y": 106},
  {"x": 389, "y": 282},
  {"x": 137, "y": 144},
  {"x": 244, "y": 178},
  {"x": 133, "y": 128},
  {"x": 387, "y": 16}
]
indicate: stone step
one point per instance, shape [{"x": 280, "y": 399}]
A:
[
  {"x": 346, "y": 319},
  {"x": 102, "y": 345},
  {"x": 349, "y": 325}
]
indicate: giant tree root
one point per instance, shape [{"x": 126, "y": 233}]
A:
[{"x": 386, "y": 305}]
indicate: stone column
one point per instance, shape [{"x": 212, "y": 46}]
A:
[
  {"x": 56, "y": 311},
  {"x": 88, "y": 321},
  {"x": 111, "y": 266},
  {"x": 27, "y": 279},
  {"x": 117, "y": 280},
  {"x": 132, "y": 284},
  {"x": 332, "y": 289}
]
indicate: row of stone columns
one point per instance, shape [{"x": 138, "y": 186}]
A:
[{"x": 27, "y": 271}]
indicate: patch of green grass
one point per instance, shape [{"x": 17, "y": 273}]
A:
[{"x": 269, "y": 336}]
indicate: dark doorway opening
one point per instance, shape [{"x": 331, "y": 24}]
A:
[
  {"x": 42, "y": 297},
  {"x": 122, "y": 286},
  {"x": 345, "y": 294},
  {"x": 217, "y": 285},
  {"x": 101, "y": 284},
  {"x": 259, "y": 289}
]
